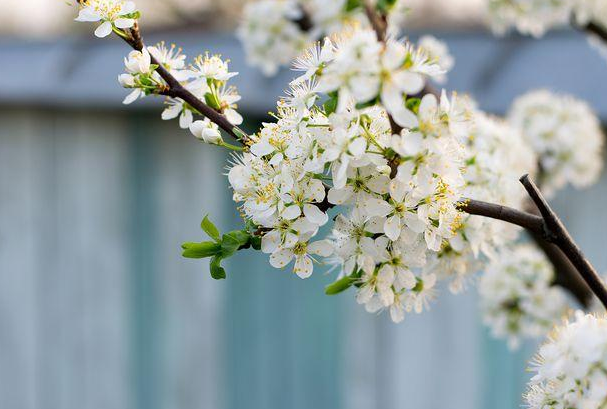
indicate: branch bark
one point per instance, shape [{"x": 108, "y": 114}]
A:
[
  {"x": 555, "y": 232},
  {"x": 596, "y": 30}
]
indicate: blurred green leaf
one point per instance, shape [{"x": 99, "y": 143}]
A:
[
  {"x": 210, "y": 229},
  {"x": 217, "y": 272},
  {"x": 340, "y": 285},
  {"x": 200, "y": 250}
]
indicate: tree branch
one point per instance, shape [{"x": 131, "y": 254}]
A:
[
  {"x": 556, "y": 232},
  {"x": 596, "y": 30},
  {"x": 530, "y": 222},
  {"x": 176, "y": 90}
]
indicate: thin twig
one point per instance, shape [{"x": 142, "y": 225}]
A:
[
  {"x": 555, "y": 232},
  {"x": 595, "y": 30}
]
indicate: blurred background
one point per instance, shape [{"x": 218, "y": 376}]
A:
[{"x": 99, "y": 311}]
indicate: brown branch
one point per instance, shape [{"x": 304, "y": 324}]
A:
[
  {"x": 554, "y": 230},
  {"x": 530, "y": 222},
  {"x": 378, "y": 21},
  {"x": 595, "y": 29},
  {"x": 176, "y": 90}
]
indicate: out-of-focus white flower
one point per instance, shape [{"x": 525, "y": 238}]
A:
[
  {"x": 533, "y": 17},
  {"x": 496, "y": 156},
  {"x": 566, "y": 136},
  {"x": 570, "y": 369},
  {"x": 207, "y": 131},
  {"x": 517, "y": 299},
  {"x": 271, "y": 35},
  {"x": 111, "y": 13},
  {"x": 438, "y": 53}
]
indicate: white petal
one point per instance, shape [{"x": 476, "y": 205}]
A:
[
  {"x": 124, "y": 22},
  {"x": 321, "y": 248},
  {"x": 340, "y": 196},
  {"x": 270, "y": 241},
  {"x": 392, "y": 227},
  {"x": 132, "y": 97},
  {"x": 186, "y": 118},
  {"x": 303, "y": 266},
  {"x": 104, "y": 29},
  {"x": 262, "y": 148},
  {"x": 397, "y": 313},
  {"x": 357, "y": 147},
  {"x": 234, "y": 117},
  {"x": 281, "y": 258},
  {"x": 171, "y": 112},
  {"x": 315, "y": 215},
  {"x": 409, "y": 82},
  {"x": 291, "y": 212},
  {"x": 376, "y": 207}
]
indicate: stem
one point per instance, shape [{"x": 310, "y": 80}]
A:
[
  {"x": 593, "y": 29},
  {"x": 176, "y": 90},
  {"x": 555, "y": 231},
  {"x": 507, "y": 214}
]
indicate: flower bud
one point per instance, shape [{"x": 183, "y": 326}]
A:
[{"x": 206, "y": 131}]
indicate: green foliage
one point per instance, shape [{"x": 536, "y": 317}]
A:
[
  {"x": 209, "y": 228},
  {"x": 413, "y": 104},
  {"x": 222, "y": 246},
  {"x": 385, "y": 6},
  {"x": 330, "y": 105},
  {"x": 343, "y": 283},
  {"x": 352, "y": 5}
]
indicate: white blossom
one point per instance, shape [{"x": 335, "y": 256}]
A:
[
  {"x": 437, "y": 52},
  {"x": 566, "y": 136},
  {"x": 570, "y": 369},
  {"x": 111, "y": 13},
  {"x": 206, "y": 131},
  {"x": 517, "y": 296}
]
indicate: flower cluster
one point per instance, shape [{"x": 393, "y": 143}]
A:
[
  {"x": 571, "y": 367},
  {"x": 517, "y": 299},
  {"x": 400, "y": 186},
  {"x": 566, "y": 136},
  {"x": 496, "y": 156},
  {"x": 206, "y": 79},
  {"x": 535, "y": 17},
  {"x": 274, "y": 32}
]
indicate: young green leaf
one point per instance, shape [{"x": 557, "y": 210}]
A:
[
  {"x": 217, "y": 272},
  {"x": 340, "y": 285},
  {"x": 232, "y": 241},
  {"x": 210, "y": 229},
  {"x": 200, "y": 250}
]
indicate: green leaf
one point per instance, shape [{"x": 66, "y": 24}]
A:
[
  {"x": 385, "y": 5},
  {"x": 352, "y": 4},
  {"x": 217, "y": 272},
  {"x": 256, "y": 242},
  {"x": 340, "y": 285},
  {"x": 413, "y": 104},
  {"x": 232, "y": 241},
  {"x": 239, "y": 133},
  {"x": 200, "y": 250},
  {"x": 211, "y": 100},
  {"x": 330, "y": 105},
  {"x": 210, "y": 229},
  {"x": 370, "y": 103}
]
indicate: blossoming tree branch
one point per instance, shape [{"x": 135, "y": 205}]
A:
[{"x": 419, "y": 186}]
